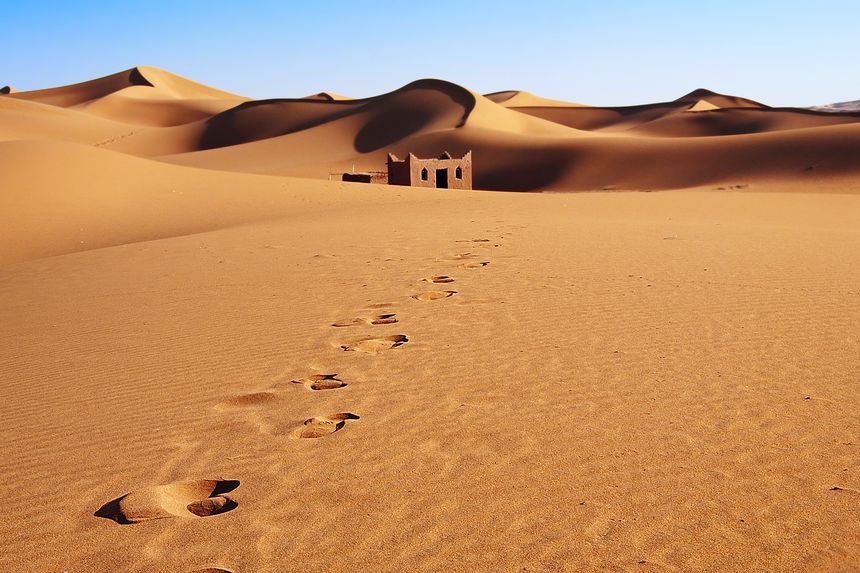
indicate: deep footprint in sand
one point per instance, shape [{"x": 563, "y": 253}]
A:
[
  {"x": 320, "y": 426},
  {"x": 247, "y": 400},
  {"x": 321, "y": 382},
  {"x": 476, "y": 265},
  {"x": 434, "y": 295},
  {"x": 374, "y": 345},
  {"x": 189, "y": 499},
  {"x": 388, "y": 318},
  {"x": 211, "y": 570},
  {"x": 439, "y": 279}
]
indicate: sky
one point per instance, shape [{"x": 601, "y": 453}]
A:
[{"x": 609, "y": 52}]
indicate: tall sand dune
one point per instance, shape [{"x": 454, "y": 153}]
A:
[
  {"x": 702, "y": 138},
  {"x": 142, "y": 95},
  {"x": 718, "y": 99}
]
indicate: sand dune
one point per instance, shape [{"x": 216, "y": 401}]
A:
[
  {"x": 723, "y": 122},
  {"x": 141, "y": 96},
  {"x": 718, "y": 99},
  {"x": 327, "y": 96},
  {"x": 846, "y": 106},
  {"x": 521, "y": 142},
  {"x": 516, "y": 98}
]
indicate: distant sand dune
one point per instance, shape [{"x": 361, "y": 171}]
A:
[{"x": 521, "y": 142}]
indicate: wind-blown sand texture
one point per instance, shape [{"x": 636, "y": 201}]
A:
[{"x": 210, "y": 364}]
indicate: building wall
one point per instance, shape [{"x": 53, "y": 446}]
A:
[
  {"x": 374, "y": 177},
  {"x": 398, "y": 173},
  {"x": 408, "y": 172}
]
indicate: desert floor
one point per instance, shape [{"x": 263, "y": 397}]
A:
[{"x": 617, "y": 382}]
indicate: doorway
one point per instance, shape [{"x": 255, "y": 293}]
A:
[{"x": 441, "y": 178}]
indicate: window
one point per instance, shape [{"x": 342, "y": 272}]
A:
[
  {"x": 424, "y": 174},
  {"x": 459, "y": 173}
]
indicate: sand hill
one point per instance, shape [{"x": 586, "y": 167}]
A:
[
  {"x": 216, "y": 359},
  {"x": 846, "y": 106},
  {"x": 521, "y": 142}
]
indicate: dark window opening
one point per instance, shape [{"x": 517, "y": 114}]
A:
[
  {"x": 424, "y": 174},
  {"x": 459, "y": 173},
  {"x": 441, "y": 178}
]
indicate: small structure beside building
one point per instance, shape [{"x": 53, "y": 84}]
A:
[
  {"x": 443, "y": 172},
  {"x": 380, "y": 177}
]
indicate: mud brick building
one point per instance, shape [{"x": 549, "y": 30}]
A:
[{"x": 443, "y": 172}]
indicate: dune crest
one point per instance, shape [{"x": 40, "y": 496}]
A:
[
  {"x": 718, "y": 99},
  {"x": 517, "y": 98},
  {"x": 327, "y": 96}
]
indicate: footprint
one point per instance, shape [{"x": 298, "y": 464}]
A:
[
  {"x": 473, "y": 241},
  {"x": 247, "y": 400},
  {"x": 439, "y": 279},
  {"x": 212, "y": 570},
  {"x": 321, "y": 382},
  {"x": 463, "y": 256},
  {"x": 476, "y": 265},
  {"x": 434, "y": 295},
  {"x": 376, "y": 319},
  {"x": 190, "y": 499},
  {"x": 374, "y": 345},
  {"x": 320, "y": 426}
]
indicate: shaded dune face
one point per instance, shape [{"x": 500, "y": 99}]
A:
[
  {"x": 191, "y": 499},
  {"x": 404, "y": 112},
  {"x": 720, "y": 115},
  {"x": 718, "y": 99},
  {"x": 720, "y": 122},
  {"x": 256, "y": 120},
  {"x": 383, "y": 120}
]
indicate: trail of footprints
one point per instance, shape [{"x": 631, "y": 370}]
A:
[{"x": 208, "y": 497}]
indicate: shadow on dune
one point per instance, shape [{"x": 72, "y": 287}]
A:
[
  {"x": 376, "y": 122},
  {"x": 136, "y": 78},
  {"x": 524, "y": 171},
  {"x": 404, "y": 112},
  {"x": 740, "y": 121},
  {"x": 262, "y": 119}
]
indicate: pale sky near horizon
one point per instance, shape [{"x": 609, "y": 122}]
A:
[{"x": 610, "y": 52}]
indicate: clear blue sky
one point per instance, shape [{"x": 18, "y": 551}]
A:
[{"x": 603, "y": 52}]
